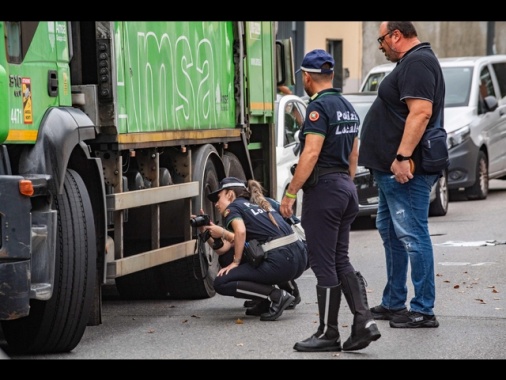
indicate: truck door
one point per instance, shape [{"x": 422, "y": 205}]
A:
[{"x": 35, "y": 68}]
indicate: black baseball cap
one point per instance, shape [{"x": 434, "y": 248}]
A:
[
  {"x": 315, "y": 59},
  {"x": 226, "y": 183}
]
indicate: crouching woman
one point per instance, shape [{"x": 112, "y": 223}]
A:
[{"x": 246, "y": 220}]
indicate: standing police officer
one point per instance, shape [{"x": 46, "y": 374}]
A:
[{"x": 329, "y": 142}]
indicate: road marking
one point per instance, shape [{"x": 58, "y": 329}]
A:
[
  {"x": 463, "y": 263},
  {"x": 481, "y": 243}
]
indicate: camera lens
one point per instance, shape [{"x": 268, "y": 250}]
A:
[{"x": 199, "y": 221}]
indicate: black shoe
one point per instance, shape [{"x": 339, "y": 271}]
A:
[
  {"x": 362, "y": 335},
  {"x": 251, "y": 303},
  {"x": 294, "y": 303},
  {"x": 259, "y": 308},
  {"x": 414, "y": 319},
  {"x": 277, "y": 308},
  {"x": 380, "y": 312},
  {"x": 315, "y": 344}
]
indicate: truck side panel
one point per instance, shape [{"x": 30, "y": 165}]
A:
[{"x": 175, "y": 76}]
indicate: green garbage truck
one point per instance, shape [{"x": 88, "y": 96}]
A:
[{"x": 111, "y": 136}]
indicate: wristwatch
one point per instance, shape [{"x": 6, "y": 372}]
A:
[{"x": 400, "y": 157}]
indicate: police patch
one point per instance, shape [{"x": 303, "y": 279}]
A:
[
  {"x": 227, "y": 211},
  {"x": 313, "y": 116}
]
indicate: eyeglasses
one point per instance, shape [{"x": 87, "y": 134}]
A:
[{"x": 382, "y": 38}]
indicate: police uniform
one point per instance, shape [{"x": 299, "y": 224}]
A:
[
  {"x": 282, "y": 263},
  {"x": 328, "y": 210},
  {"x": 330, "y": 207}
]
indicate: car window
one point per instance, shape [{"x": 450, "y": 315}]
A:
[
  {"x": 500, "y": 73},
  {"x": 458, "y": 85},
  {"x": 486, "y": 89},
  {"x": 294, "y": 117},
  {"x": 373, "y": 81}
]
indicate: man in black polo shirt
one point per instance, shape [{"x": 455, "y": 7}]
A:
[
  {"x": 410, "y": 99},
  {"x": 329, "y": 143}
]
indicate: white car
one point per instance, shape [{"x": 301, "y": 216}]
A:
[
  {"x": 474, "y": 119},
  {"x": 289, "y": 122}
]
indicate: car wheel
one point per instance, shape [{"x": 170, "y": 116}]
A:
[
  {"x": 439, "y": 206},
  {"x": 480, "y": 188}
]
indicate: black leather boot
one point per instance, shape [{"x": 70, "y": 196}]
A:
[
  {"x": 327, "y": 337},
  {"x": 364, "y": 329},
  {"x": 292, "y": 288},
  {"x": 250, "y": 303},
  {"x": 259, "y": 308},
  {"x": 281, "y": 299}
]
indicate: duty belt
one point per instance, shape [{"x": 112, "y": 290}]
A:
[
  {"x": 322, "y": 171},
  {"x": 285, "y": 240}
]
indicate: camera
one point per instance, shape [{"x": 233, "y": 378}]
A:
[
  {"x": 200, "y": 220},
  {"x": 204, "y": 220}
]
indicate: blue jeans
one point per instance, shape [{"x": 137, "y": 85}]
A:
[{"x": 402, "y": 222}]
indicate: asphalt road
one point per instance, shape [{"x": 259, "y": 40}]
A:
[{"x": 470, "y": 260}]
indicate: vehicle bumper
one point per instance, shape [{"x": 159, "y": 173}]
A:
[
  {"x": 367, "y": 193},
  {"x": 462, "y": 169},
  {"x": 27, "y": 251}
]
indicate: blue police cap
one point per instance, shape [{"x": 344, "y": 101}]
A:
[{"x": 315, "y": 59}]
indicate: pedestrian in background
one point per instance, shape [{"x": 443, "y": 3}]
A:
[
  {"x": 329, "y": 143},
  {"x": 410, "y": 99},
  {"x": 245, "y": 220}
]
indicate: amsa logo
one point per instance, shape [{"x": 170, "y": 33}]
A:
[{"x": 175, "y": 76}]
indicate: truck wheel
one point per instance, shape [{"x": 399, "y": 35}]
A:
[
  {"x": 480, "y": 188},
  {"x": 58, "y": 325},
  {"x": 193, "y": 277},
  {"x": 233, "y": 166}
]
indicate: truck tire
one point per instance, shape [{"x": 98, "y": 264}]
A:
[
  {"x": 58, "y": 325},
  {"x": 233, "y": 166}
]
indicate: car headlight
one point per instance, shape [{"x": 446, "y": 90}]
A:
[{"x": 458, "y": 137}]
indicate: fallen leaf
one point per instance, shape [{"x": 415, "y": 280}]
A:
[
  {"x": 495, "y": 290},
  {"x": 240, "y": 344},
  {"x": 195, "y": 316},
  {"x": 186, "y": 320},
  {"x": 151, "y": 331},
  {"x": 456, "y": 286},
  {"x": 446, "y": 281},
  {"x": 239, "y": 321},
  {"x": 480, "y": 300}
]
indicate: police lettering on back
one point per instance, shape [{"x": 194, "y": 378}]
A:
[{"x": 344, "y": 125}]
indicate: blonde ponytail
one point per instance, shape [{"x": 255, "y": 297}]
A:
[{"x": 257, "y": 196}]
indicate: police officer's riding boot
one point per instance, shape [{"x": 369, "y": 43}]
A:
[
  {"x": 278, "y": 299},
  {"x": 259, "y": 308},
  {"x": 364, "y": 329},
  {"x": 292, "y": 288},
  {"x": 250, "y": 303},
  {"x": 327, "y": 337}
]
